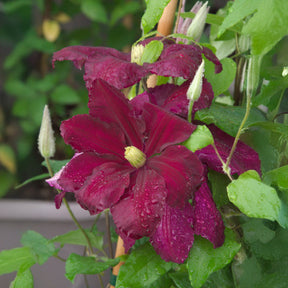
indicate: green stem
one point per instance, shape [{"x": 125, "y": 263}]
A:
[
  {"x": 69, "y": 209},
  {"x": 108, "y": 233},
  {"x": 178, "y": 15}
]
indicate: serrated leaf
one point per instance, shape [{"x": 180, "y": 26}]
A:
[
  {"x": 14, "y": 259},
  {"x": 23, "y": 279},
  {"x": 41, "y": 246},
  {"x": 77, "y": 238},
  {"x": 152, "y": 14},
  {"x": 142, "y": 268},
  {"x": 152, "y": 51},
  {"x": 65, "y": 95},
  {"x": 94, "y": 10},
  {"x": 203, "y": 259},
  {"x": 76, "y": 264},
  {"x": 228, "y": 118},
  {"x": 220, "y": 82},
  {"x": 254, "y": 198},
  {"x": 199, "y": 139}
]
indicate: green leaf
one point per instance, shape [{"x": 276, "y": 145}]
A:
[
  {"x": 199, "y": 139},
  {"x": 267, "y": 26},
  {"x": 65, "y": 95},
  {"x": 41, "y": 246},
  {"x": 204, "y": 259},
  {"x": 7, "y": 181},
  {"x": 56, "y": 165},
  {"x": 7, "y": 158},
  {"x": 94, "y": 10},
  {"x": 181, "y": 279},
  {"x": 152, "y": 51},
  {"x": 122, "y": 10},
  {"x": 254, "y": 198},
  {"x": 228, "y": 118},
  {"x": 77, "y": 238},
  {"x": 220, "y": 82},
  {"x": 76, "y": 264},
  {"x": 24, "y": 279},
  {"x": 12, "y": 6},
  {"x": 152, "y": 14},
  {"x": 15, "y": 259},
  {"x": 142, "y": 268},
  {"x": 35, "y": 178},
  {"x": 277, "y": 177}
]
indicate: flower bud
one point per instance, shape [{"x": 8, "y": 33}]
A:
[
  {"x": 136, "y": 54},
  {"x": 253, "y": 72},
  {"x": 285, "y": 71},
  {"x": 46, "y": 141},
  {"x": 196, "y": 27},
  {"x": 195, "y": 88},
  {"x": 135, "y": 156}
]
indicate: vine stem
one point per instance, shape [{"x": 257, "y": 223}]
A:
[{"x": 70, "y": 211}]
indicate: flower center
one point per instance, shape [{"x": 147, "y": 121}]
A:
[
  {"x": 135, "y": 156},
  {"x": 136, "y": 54}
]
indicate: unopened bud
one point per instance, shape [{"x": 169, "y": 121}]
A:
[
  {"x": 135, "y": 156},
  {"x": 196, "y": 27},
  {"x": 285, "y": 71},
  {"x": 136, "y": 54},
  {"x": 253, "y": 72},
  {"x": 195, "y": 88},
  {"x": 46, "y": 141}
]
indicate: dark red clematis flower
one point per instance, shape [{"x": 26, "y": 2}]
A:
[
  {"x": 116, "y": 68},
  {"x": 131, "y": 163}
]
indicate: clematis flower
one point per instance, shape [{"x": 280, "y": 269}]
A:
[
  {"x": 130, "y": 161},
  {"x": 116, "y": 68}
]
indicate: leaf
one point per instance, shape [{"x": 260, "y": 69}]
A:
[
  {"x": 94, "y": 10},
  {"x": 267, "y": 26},
  {"x": 254, "y": 198},
  {"x": 122, "y": 10},
  {"x": 14, "y": 259},
  {"x": 220, "y": 82},
  {"x": 65, "y": 95},
  {"x": 277, "y": 177},
  {"x": 142, "y": 268},
  {"x": 77, "y": 238},
  {"x": 12, "y": 6},
  {"x": 152, "y": 51},
  {"x": 76, "y": 264},
  {"x": 56, "y": 165},
  {"x": 35, "y": 178},
  {"x": 181, "y": 279},
  {"x": 41, "y": 246},
  {"x": 24, "y": 279},
  {"x": 228, "y": 118},
  {"x": 152, "y": 14},
  {"x": 204, "y": 259},
  {"x": 199, "y": 139},
  {"x": 7, "y": 181}
]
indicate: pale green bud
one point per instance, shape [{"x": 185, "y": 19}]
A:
[
  {"x": 136, "y": 54},
  {"x": 195, "y": 88},
  {"x": 46, "y": 141},
  {"x": 285, "y": 71},
  {"x": 253, "y": 72},
  {"x": 196, "y": 27},
  {"x": 135, "y": 156}
]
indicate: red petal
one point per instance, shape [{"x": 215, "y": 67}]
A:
[
  {"x": 110, "y": 105},
  {"x": 182, "y": 171},
  {"x": 207, "y": 220},
  {"x": 85, "y": 133},
  {"x": 174, "y": 235},
  {"x": 164, "y": 129},
  {"x": 138, "y": 214}
]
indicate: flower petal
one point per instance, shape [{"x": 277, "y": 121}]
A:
[
  {"x": 174, "y": 235},
  {"x": 182, "y": 171},
  {"x": 104, "y": 187},
  {"x": 207, "y": 220},
  {"x": 109, "y": 105},
  {"x": 85, "y": 133},
  {"x": 243, "y": 159},
  {"x": 104, "y": 63},
  {"x": 139, "y": 213},
  {"x": 163, "y": 129}
]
